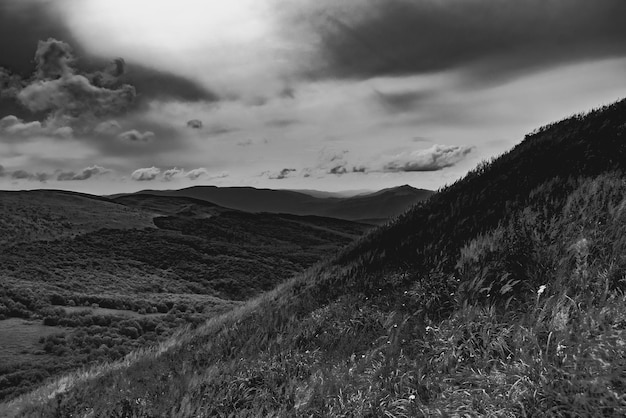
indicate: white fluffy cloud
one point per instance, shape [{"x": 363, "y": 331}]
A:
[
  {"x": 173, "y": 174},
  {"x": 136, "y": 136},
  {"x": 146, "y": 174}
]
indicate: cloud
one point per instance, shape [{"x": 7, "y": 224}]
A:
[
  {"x": 84, "y": 174},
  {"x": 109, "y": 127},
  {"x": 152, "y": 84},
  {"x": 196, "y": 173},
  {"x": 2, "y": 172},
  {"x": 283, "y": 174},
  {"x": 136, "y": 136},
  {"x": 434, "y": 158},
  {"x": 59, "y": 96},
  {"x": 194, "y": 124},
  {"x": 401, "y": 102},
  {"x": 53, "y": 59},
  {"x": 74, "y": 96},
  {"x": 25, "y": 175},
  {"x": 368, "y": 38},
  {"x": 333, "y": 162},
  {"x": 10, "y": 84},
  {"x": 146, "y": 174},
  {"x": 172, "y": 173},
  {"x": 14, "y": 127}
]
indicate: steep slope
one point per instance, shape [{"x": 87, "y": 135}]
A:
[
  {"x": 376, "y": 207},
  {"x": 502, "y": 295}
]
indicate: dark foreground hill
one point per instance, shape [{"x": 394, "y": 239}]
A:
[
  {"x": 502, "y": 295},
  {"x": 85, "y": 279},
  {"x": 375, "y": 207}
]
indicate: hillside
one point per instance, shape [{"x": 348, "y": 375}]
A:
[
  {"x": 85, "y": 279},
  {"x": 501, "y": 295},
  {"x": 375, "y": 207},
  {"x": 50, "y": 214}
]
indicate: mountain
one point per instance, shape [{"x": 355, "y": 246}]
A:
[
  {"x": 324, "y": 194},
  {"x": 374, "y": 207},
  {"x": 503, "y": 295},
  {"x": 85, "y": 279}
]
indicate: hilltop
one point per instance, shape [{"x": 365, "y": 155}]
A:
[{"x": 501, "y": 295}]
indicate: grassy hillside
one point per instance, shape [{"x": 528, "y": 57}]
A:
[
  {"x": 101, "y": 293},
  {"x": 502, "y": 295},
  {"x": 50, "y": 214}
]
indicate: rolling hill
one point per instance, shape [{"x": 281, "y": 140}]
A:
[
  {"x": 502, "y": 295},
  {"x": 113, "y": 276},
  {"x": 50, "y": 214},
  {"x": 375, "y": 207}
]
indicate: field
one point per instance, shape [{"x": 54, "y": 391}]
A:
[{"x": 19, "y": 339}]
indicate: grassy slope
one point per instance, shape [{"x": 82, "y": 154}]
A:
[
  {"x": 440, "y": 312},
  {"x": 51, "y": 214}
]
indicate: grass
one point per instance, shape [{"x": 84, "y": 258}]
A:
[{"x": 19, "y": 339}]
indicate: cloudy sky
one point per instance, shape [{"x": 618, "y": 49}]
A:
[{"x": 104, "y": 96}]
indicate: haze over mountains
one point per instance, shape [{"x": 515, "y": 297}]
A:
[{"x": 376, "y": 207}]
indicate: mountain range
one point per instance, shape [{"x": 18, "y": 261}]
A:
[{"x": 375, "y": 207}]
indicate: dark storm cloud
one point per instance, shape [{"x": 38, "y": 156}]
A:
[
  {"x": 365, "y": 38},
  {"x": 2, "y": 172},
  {"x": 58, "y": 96},
  {"x": 53, "y": 59},
  {"x": 24, "y": 23},
  {"x": 401, "y": 102},
  {"x": 153, "y": 84},
  {"x": 84, "y": 174}
]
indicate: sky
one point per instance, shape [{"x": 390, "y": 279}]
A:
[{"x": 107, "y": 96}]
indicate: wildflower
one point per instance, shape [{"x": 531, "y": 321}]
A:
[
  {"x": 411, "y": 397},
  {"x": 541, "y": 289}
]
